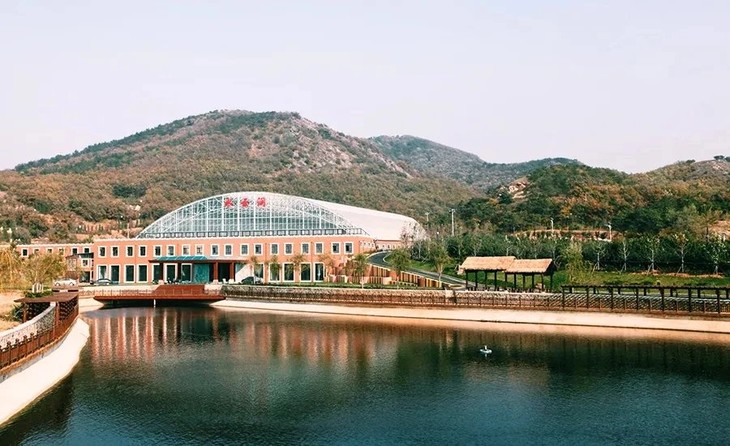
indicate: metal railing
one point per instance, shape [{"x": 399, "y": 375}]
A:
[{"x": 717, "y": 305}]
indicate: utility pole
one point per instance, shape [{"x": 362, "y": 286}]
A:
[
  {"x": 610, "y": 232},
  {"x": 452, "y": 221}
]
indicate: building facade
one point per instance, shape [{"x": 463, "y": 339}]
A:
[{"x": 263, "y": 236}]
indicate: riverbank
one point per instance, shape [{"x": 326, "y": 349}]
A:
[
  {"x": 559, "y": 318},
  {"x": 28, "y": 384}
]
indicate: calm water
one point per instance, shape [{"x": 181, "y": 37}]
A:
[{"x": 206, "y": 376}]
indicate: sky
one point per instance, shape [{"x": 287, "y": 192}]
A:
[{"x": 627, "y": 85}]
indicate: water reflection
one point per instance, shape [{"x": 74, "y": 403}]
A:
[
  {"x": 203, "y": 375},
  {"x": 349, "y": 344}
]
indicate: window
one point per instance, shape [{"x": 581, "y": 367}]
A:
[
  {"x": 244, "y": 250},
  {"x": 129, "y": 273},
  {"x": 214, "y": 250},
  {"x": 49, "y": 250},
  {"x": 115, "y": 251},
  {"x": 274, "y": 248},
  {"x": 319, "y": 272},
  {"x": 335, "y": 248},
  {"x": 158, "y": 251},
  {"x": 258, "y": 249},
  {"x": 85, "y": 263},
  {"x": 305, "y": 248},
  {"x": 143, "y": 251},
  {"x": 102, "y": 251},
  {"x": 306, "y": 272},
  {"x": 87, "y": 250},
  {"x": 288, "y": 272},
  {"x": 25, "y": 252},
  {"x": 102, "y": 272},
  {"x": 274, "y": 272},
  {"x": 142, "y": 273},
  {"x": 130, "y": 251},
  {"x": 319, "y": 248},
  {"x": 348, "y": 248},
  {"x": 198, "y": 250},
  {"x": 36, "y": 251},
  {"x": 61, "y": 250},
  {"x": 186, "y": 250},
  {"x": 156, "y": 272},
  {"x": 228, "y": 250},
  {"x": 74, "y": 251},
  {"x": 288, "y": 249},
  {"x": 170, "y": 250}
]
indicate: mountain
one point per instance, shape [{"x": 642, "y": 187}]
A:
[
  {"x": 128, "y": 183},
  {"x": 437, "y": 159},
  {"x": 160, "y": 169}
]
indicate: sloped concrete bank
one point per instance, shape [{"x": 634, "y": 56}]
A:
[
  {"x": 26, "y": 384},
  {"x": 565, "y": 318}
]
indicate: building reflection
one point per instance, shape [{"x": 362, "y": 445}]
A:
[{"x": 143, "y": 334}]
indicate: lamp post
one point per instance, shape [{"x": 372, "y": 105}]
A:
[
  {"x": 427, "y": 218},
  {"x": 552, "y": 228},
  {"x": 452, "y": 221},
  {"x": 610, "y": 232}
]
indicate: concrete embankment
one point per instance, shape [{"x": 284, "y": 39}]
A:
[
  {"x": 560, "y": 318},
  {"x": 33, "y": 380}
]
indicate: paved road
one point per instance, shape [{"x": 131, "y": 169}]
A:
[{"x": 379, "y": 259}]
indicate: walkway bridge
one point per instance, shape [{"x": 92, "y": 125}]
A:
[{"x": 168, "y": 293}]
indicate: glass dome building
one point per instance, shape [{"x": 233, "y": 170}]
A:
[
  {"x": 266, "y": 214},
  {"x": 262, "y": 236}
]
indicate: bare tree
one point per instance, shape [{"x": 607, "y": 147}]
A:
[
  {"x": 297, "y": 260},
  {"x": 681, "y": 241},
  {"x": 625, "y": 253},
  {"x": 653, "y": 245}
]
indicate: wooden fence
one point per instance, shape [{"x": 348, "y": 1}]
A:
[{"x": 36, "y": 335}]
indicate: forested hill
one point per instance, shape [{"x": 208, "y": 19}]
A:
[
  {"x": 688, "y": 197},
  {"x": 170, "y": 165},
  {"x": 427, "y": 156},
  {"x": 134, "y": 180}
]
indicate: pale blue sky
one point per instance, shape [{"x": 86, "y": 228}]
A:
[{"x": 630, "y": 85}]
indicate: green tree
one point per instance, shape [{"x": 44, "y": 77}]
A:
[
  {"x": 439, "y": 257},
  {"x": 575, "y": 266},
  {"x": 399, "y": 259},
  {"x": 360, "y": 267}
]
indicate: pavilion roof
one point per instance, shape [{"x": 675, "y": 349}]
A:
[
  {"x": 498, "y": 263},
  {"x": 531, "y": 266}
]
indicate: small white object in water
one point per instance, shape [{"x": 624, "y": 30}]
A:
[{"x": 486, "y": 350}]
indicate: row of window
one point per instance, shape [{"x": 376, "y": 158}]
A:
[
  {"x": 258, "y": 249},
  {"x": 286, "y": 272},
  {"x": 25, "y": 252}
]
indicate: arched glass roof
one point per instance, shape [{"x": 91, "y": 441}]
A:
[{"x": 255, "y": 214}]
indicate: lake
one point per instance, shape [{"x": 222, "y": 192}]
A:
[{"x": 178, "y": 376}]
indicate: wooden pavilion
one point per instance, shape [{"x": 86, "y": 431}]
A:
[
  {"x": 487, "y": 265},
  {"x": 532, "y": 267},
  {"x": 507, "y": 265}
]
